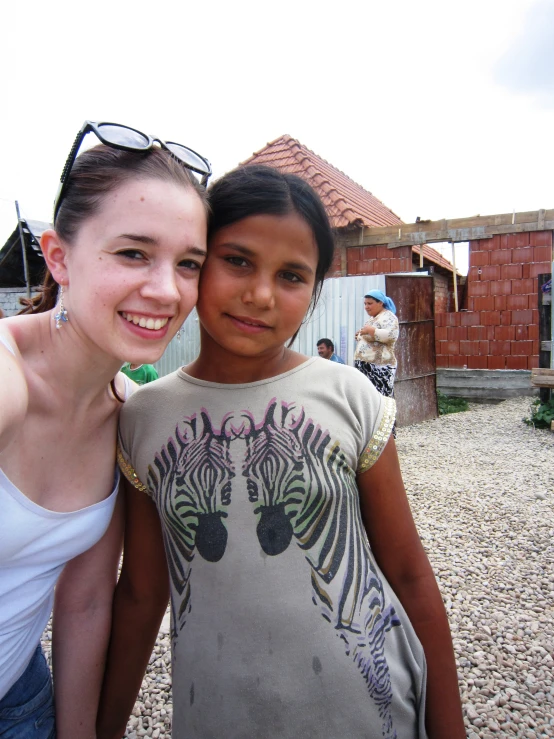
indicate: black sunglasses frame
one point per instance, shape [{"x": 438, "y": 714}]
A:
[{"x": 94, "y": 127}]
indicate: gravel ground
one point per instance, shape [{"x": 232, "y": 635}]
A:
[{"x": 481, "y": 486}]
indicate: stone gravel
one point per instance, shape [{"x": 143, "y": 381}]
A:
[{"x": 481, "y": 487}]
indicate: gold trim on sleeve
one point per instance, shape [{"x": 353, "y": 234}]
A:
[
  {"x": 129, "y": 472},
  {"x": 379, "y": 439}
]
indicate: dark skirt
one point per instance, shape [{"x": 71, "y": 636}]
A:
[{"x": 380, "y": 376}]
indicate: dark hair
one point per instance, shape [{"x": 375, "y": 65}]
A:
[
  {"x": 95, "y": 174},
  {"x": 328, "y": 343},
  {"x": 258, "y": 190}
]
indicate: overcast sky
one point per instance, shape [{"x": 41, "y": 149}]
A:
[{"x": 440, "y": 109}]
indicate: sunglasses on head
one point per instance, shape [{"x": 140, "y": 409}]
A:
[{"x": 129, "y": 139}]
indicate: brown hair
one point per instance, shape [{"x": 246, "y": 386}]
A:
[{"x": 95, "y": 174}]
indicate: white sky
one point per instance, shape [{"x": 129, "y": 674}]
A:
[{"x": 440, "y": 109}]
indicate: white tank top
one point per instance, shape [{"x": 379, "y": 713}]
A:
[{"x": 35, "y": 544}]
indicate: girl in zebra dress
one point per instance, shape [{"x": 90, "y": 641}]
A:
[{"x": 302, "y": 601}]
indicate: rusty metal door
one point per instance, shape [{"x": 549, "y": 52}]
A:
[{"x": 415, "y": 383}]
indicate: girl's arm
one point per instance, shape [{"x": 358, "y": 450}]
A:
[
  {"x": 400, "y": 555},
  {"x": 81, "y": 629},
  {"x": 141, "y": 598}
]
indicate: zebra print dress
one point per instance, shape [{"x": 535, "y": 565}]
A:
[{"x": 282, "y": 623}]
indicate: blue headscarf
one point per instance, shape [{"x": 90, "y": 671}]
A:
[{"x": 382, "y": 298}]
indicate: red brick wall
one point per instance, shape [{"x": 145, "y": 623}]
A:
[
  {"x": 500, "y": 328},
  {"x": 377, "y": 260},
  {"x": 372, "y": 260},
  {"x": 443, "y": 293}
]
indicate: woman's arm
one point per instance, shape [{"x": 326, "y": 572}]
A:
[
  {"x": 386, "y": 333},
  {"x": 141, "y": 598},
  {"x": 398, "y": 550},
  {"x": 81, "y": 629},
  {"x": 367, "y": 331},
  {"x": 13, "y": 393}
]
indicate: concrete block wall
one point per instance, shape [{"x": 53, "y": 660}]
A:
[
  {"x": 336, "y": 267},
  {"x": 9, "y": 300},
  {"x": 500, "y": 329}
]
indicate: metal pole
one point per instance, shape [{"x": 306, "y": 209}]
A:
[
  {"x": 23, "y": 251},
  {"x": 455, "y": 279}
]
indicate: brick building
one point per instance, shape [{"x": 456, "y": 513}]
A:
[{"x": 499, "y": 328}]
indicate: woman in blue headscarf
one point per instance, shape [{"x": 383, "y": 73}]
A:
[{"x": 374, "y": 354}]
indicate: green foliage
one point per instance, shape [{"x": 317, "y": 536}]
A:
[
  {"x": 542, "y": 414},
  {"x": 448, "y": 404}
]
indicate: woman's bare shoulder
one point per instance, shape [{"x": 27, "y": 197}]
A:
[{"x": 14, "y": 396}]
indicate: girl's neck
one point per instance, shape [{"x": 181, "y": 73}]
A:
[{"x": 238, "y": 370}]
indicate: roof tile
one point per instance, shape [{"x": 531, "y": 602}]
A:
[
  {"x": 432, "y": 255},
  {"x": 347, "y": 202}
]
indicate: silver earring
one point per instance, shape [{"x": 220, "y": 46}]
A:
[
  {"x": 61, "y": 316},
  {"x": 178, "y": 335}
]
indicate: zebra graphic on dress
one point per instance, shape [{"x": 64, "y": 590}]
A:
[
  {"x": 191, "y": 483},
  {"x": 303, "y": 487}
]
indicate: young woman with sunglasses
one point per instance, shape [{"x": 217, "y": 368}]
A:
[
  {"x": 302, "y": 601},
  {"x": 123, "y": 261}
]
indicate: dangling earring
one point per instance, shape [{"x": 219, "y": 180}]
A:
[
  {"x": 178, "y": 335},
  {"x": 61, "y": 316}
]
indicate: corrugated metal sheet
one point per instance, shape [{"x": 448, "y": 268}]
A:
[
  {"x": 337, "y": 316},
  {"x": 181, "y": 350}
]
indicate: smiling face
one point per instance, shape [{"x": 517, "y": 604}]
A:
[
  {"x": 256, "y": 286},
  {"x": 373, "y": 307},
  {"x": 324, "y": 351},
  {"x": 132, "y": 271}
]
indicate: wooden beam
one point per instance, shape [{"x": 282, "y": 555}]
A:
[
  {"x": 454, "y": 230},
  {"x": 454, "y": 277},
  {"x": 542, "y": 377}
]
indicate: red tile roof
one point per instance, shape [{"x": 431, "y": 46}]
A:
[
  {"x": 432, "y": 255},
  {"x": 347, "y": 203}
]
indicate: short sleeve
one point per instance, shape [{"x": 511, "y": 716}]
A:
[
  {"x": 128, "y": 470},
  {"x": 369, "y": 416},
  {"x": 380, "y": 436}
]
